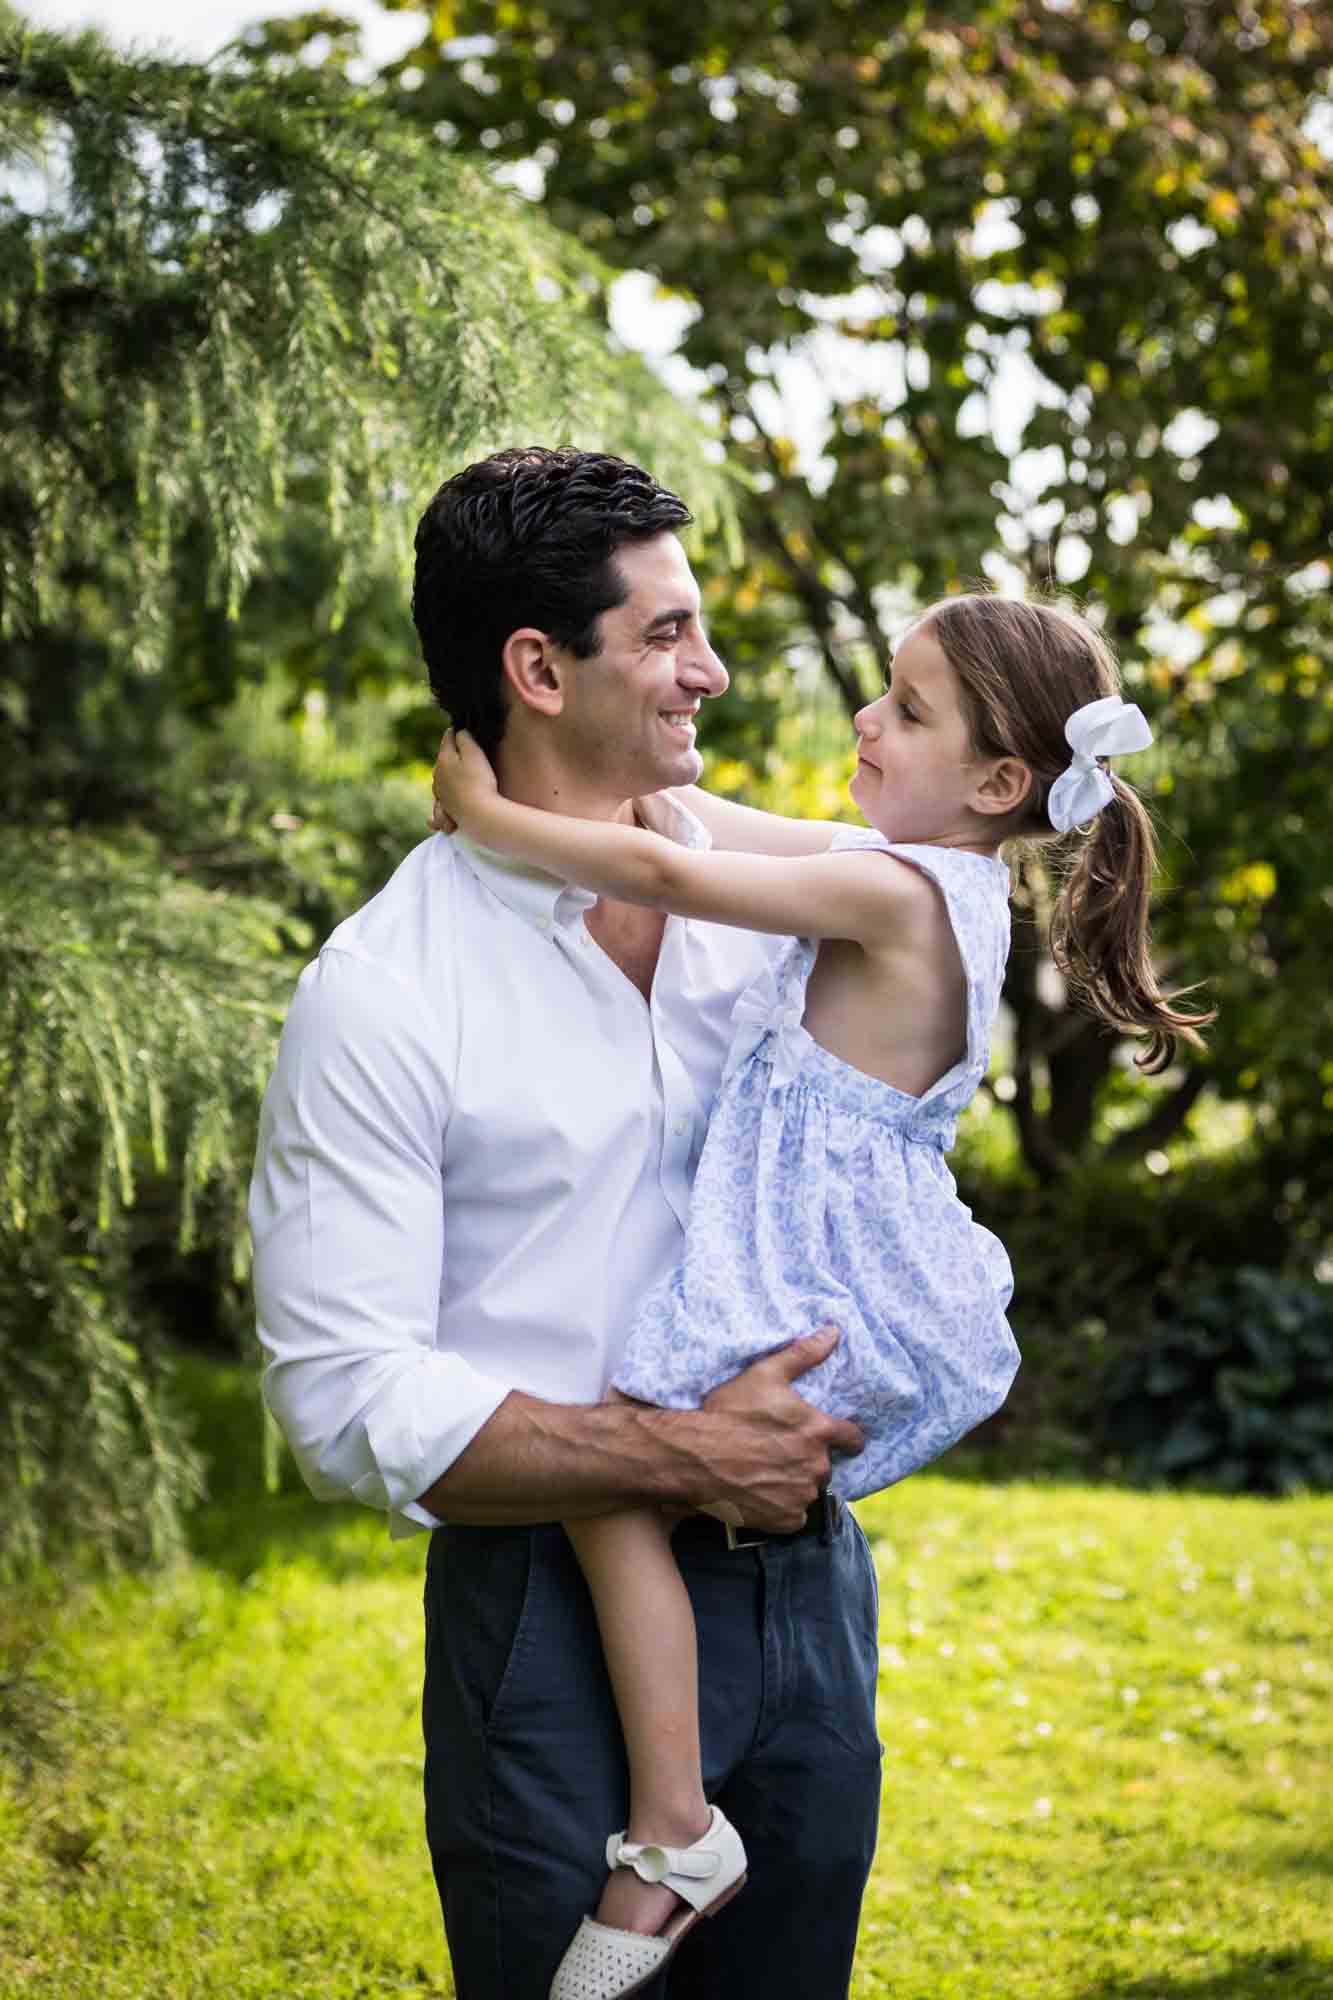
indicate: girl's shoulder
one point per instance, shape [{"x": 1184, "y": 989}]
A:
[
  {"x": 961, "y": 876},
  {"x": 961, "y": 861},
  {"x": 963, "y": 893},
  {"x": 908, "y": 895},
  {"x": 847, "y": 837}
]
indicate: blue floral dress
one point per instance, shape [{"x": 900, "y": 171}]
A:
[{"x": 823, "y": 1195}]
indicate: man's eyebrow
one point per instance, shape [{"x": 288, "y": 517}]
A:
[{"x": 673, "y": 617}]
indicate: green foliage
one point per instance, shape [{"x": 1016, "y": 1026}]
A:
[
  {"x": 1234, "y": 1389},
  {"x": 1100, "y": 1259},
  {"x": 138, "y": 1017},
  {"x": 144, "y": 981},
  {"x": 295, "y": 801},
  {"x": 251, "y": 319},
  {"x": 1064, "y": 277},
  {"x": 139, "y": 1014},
  {"x": 252, "y": 314},
  {"x": 144, "y": 978},
  {"x": 95, "y": 1454},
  {"x": 230, "y": 294}
]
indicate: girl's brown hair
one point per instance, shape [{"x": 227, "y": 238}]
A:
[{"x": 1023, "y": 668}]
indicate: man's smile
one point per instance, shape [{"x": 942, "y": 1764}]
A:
[{"x": 680, "y": 719}]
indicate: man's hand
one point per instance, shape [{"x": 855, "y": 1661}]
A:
[
  {"x": 462, "y": 782},
  {"x": 756, "y": 1445},
  {"x": 770, "y": 1448}
]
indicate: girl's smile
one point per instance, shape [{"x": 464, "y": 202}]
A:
[{"x": 915, "y": 768}]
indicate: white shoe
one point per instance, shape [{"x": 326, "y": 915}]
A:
[{"x": 606, "y": 1964}]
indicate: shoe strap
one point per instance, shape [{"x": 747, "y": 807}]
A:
[{"x": 653, "y": 1863}]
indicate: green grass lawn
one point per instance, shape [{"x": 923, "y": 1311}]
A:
[{"x": 1106, "y": 1722}]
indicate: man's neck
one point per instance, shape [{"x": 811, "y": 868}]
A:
[
  {"x": 532, "y": 780},
  {"x": 628, "y": 933}
]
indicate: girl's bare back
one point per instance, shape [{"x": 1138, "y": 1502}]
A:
[{"x": 898, "y": 1010}]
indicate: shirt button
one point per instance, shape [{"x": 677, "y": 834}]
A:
[
  {"x": 543, "y": 923},
  {"x": 681, "y": 1127}
]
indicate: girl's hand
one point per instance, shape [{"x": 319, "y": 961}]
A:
[{"x": 463, "y": 780}]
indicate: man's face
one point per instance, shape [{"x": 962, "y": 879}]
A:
[{"x": 627, "y": 722}]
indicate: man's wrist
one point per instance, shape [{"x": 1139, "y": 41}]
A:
[{"x": 678, "y": 1466}]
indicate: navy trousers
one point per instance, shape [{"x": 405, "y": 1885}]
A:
[{"x": 525, "y": 1768}]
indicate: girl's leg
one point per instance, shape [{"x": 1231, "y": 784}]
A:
[{"x": 647, "y": 1627}]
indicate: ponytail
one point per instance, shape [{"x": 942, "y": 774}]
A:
[
  {"x": 1024, "y": 668},
  {"x": 1100, "y": 937}
]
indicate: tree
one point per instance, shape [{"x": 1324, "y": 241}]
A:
[
  {"x": 1097, "y": 233},
  {"x": 233, "y": 298},
  {"x": 137, "y": 1019},
  {"x": 249, "y": 322}
]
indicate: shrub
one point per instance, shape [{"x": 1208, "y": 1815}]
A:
[
  {"x": 138, "y": 1016},
  {"x": 296, "y": 801},
  {"x": 1101, "y": 1260},
  {"x": 95, "y": 1451},
  {"x": 1234, "y": 1389}
]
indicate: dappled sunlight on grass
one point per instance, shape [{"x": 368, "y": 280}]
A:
[
  {"x": 1107, "y": 1735},
  {"x": 1106, "y": 1720}
]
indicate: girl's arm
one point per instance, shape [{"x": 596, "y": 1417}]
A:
[
  {"x": 738, "y": 829},
  {"x": 814, "y": 895}
]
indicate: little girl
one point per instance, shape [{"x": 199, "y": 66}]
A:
[{"x": 822, "y": 1193}]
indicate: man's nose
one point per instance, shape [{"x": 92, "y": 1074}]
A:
[{"x": 703, "y": 671}]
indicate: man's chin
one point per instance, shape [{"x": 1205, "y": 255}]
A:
[{"x": 672, "y": 773}]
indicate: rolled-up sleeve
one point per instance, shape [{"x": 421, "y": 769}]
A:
[{"x": 348, "y": 1223}]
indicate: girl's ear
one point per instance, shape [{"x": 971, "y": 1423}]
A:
[
  {"x": 1006, "y": 784},
  {"x": 532, "y": 666}
]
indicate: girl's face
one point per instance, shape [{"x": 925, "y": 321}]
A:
[{"x": 916, "y": 771}]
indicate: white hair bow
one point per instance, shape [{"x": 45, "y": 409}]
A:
[{"x": 1107, "y": 728}]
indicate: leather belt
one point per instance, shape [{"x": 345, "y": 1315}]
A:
[{"x": 705, "y": 1530}]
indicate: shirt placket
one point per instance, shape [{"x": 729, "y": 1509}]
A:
[
  {"x": 676, "y": 1106},
  {"x": 671, "y": 1122},
  {"x": 680, "y": 1103}
]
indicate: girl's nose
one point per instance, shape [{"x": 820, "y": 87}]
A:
[{"x": 863, "y": 722}]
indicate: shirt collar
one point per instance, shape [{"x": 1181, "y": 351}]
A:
[{"x": 544, "y": 900}]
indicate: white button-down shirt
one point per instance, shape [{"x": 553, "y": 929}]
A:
[{"x": 475, "y": 1157}]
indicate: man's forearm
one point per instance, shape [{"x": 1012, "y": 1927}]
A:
[
  {"x": 757, "y": 1446},
  {"x": 535, "y": 1461}
]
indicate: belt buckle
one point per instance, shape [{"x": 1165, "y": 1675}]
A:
[
  {"x": 741, "y": 1538},
  {"x": 825, "y": 1510}
]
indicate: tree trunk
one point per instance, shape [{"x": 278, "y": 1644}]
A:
[{"x": 1163, "y": 1122}]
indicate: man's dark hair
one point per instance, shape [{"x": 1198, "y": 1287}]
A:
[{"x": 526, "y": 537}]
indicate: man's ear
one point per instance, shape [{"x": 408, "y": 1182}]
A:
[
  {"x": 1006, "y": 784},
  {"x": 532, "y": 665}
]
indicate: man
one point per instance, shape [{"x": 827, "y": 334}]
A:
[{"x": 475, "y": 1157}]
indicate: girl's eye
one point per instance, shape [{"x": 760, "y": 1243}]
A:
[{"x": 907, "y": 714}]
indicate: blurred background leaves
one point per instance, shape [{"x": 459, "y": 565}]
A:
[{"x": 1036, "y": 294}]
